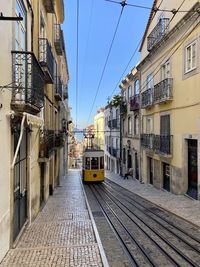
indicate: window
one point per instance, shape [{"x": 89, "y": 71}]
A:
[
  {"x": 137, "y": 87},
  {"x": 129, "y": 91},
  {"x": 101, "y": 163},
  {"x": 150, "y": 81},
  {"x": 123, "y": 126},
  {"x": 165, "y": 70},
  {"x": 87, "y": 163},
  {"x": 165, "y": 125},
  {"x": 94, "y": 163},
  {"x": 129, "y": 125},
  {"x": 136, "y": 125},
  {"x": 117, "y": 143},
  {"x": 191, "y": 57},
  {"x": 149, "y": 125}
]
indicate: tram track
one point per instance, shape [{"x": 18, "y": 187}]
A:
[{"x": 156, "y": 245}]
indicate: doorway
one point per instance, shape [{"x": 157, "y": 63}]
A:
[
  {"x": 166, "y": 176},
  {"x": 192, "y": 168},
  {"x": 20, "y": 183},
  {"x": 150, "y": 167}
]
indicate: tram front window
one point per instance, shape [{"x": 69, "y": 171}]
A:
[
  {"x": 102, "y": 163},
  {"x": 87, "y": 163},
  {"x": 94, "y": 163}
]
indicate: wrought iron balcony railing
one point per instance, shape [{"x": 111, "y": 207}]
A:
[
  {"x": 113, "y": 151},
  {"x": 46, "y": 59},
  {"x": 157, "y": 33},
  {"x": 28, "y": 83},
  {"x": 58, "y": 89},
  {"x": 59, "y": 139},
  {"x": 147, "y": 98},
  {"x": 58, "y": 39},
  {"x": 49, "y": 6},
  {"x": 147, "y": 141},
  {"x": 163, "y": 91},
  {"x": 134, "y": 102},
  {"x": 114, "y": 124},
  {"x": 161, "y": 144},
  {"x": 47, "y": 143},
  {"x": 123, "y": 107}
]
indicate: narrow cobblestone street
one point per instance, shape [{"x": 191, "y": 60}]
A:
[{"x": 61, "y": 235}]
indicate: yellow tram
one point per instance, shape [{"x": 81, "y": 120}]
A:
[{"x": 93, "y": 165}]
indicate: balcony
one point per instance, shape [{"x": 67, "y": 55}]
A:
[
  {"x": 147, "y": 141},
  {"x": 49, "y": 6},
  {"x": 157, "y": 33},
  {"x": 28, "y": 83},
  {"x": 46, "y": 60},
  {"x": 113, "y": 151},
  {"x": 47, "y": 143},
  {"x": 123, "y": 107},
  {"x": 161, "y": 144},
  {"x": 58, "y": 39},
  {"x": 163, "y": 91},
  {"x": 59, "y": 139},
  {"x": 134, "y": 103},
  {"x": 147, "y": 98},
  {"x": 58, "y": 89},
  {"x": 113, "y": 124}
]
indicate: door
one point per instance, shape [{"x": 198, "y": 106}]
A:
[
  {"x": 129, "y": 159},
  {"x": 42, "y": 174},
  {"x": 192, "y": 168},
  {"x": 136, "y": 167},
  {"x": 150, "y": 163},
  {"x": 166, "y": 176},
  {"x": 20, "y": 184}
]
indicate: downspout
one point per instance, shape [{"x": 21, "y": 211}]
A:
[{"x": 19, "y": 141}]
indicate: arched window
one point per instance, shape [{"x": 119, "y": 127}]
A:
[
  {"x": 137, "y": 87},
  {"x": 129, "y": 91},
  {"x": 129, "y": 125},
  {"x": 136, "y": 125}
]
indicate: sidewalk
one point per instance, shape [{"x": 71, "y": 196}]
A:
[
  {"x": 180, "y": 205},
  {"x": 62, "y": 234}
]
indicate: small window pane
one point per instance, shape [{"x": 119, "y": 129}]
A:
[
  {"x": 94, "y": 163},
  {"x": 102, "y": 163},
  {"x": 87, "y": 163}
]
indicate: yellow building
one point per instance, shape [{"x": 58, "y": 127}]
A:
[
  {"x": 33, "y": 111},
  {"x": 99, "y": 129},
  {"x": 170, "y": 97}
]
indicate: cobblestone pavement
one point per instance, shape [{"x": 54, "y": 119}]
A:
[
  {"x": 180, "y": 205},
  {"x": 62, "y": 235}
]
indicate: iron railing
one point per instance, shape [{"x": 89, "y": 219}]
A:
[
  {"x": 163, "y": 91},
  {"x": 157, "y": 33},
  {"x": 59, "y": 139},
  {"x": 47, "y": 143},
  {"x": 114, "y": 124},
  {"x": 46, "y": 59},
  {"x": 113, "y": 151},
  {"x": 58, "y": 39},
  {"x": 49, "y": 6},
  {"x": 147, "y": 141},
  {"x": 135, "y": 102},
  {"x": 28, "y": 82},
  {"x": 147, "y": 98},
  {"x": 58, "y": 88},
  {"x": 161, "y": 144}
]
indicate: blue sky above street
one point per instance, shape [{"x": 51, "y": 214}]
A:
[{"x": 97, "y": 23}]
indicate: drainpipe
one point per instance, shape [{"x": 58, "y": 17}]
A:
[{"x": 19, "y": 141}]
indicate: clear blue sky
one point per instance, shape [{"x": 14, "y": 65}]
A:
[{"x": 93, "y": 50}]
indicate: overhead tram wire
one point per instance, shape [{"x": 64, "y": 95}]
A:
[
  {"x": 77, "y": 55},
  {"x": 174, "y": 11},
  {"x": 105, "y": 64}
]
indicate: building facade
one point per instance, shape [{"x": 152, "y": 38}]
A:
[
  {"x": 33, "y": 106},
  {"x": 130, "y": 123},
  {"x": 99, "y": 129},
  {"x": 112, "y": 138},
  {"x": 170, "y": 122}
]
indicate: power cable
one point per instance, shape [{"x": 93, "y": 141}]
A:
[
  {"x": 77, "y": 55},
  {"x": 174, "y": 11},
  {"x": 104, "y": 68}
]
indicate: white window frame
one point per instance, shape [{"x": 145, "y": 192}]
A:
[
  {"x": 193, "y": 63},
  {"x": 129, "y": 91}
]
